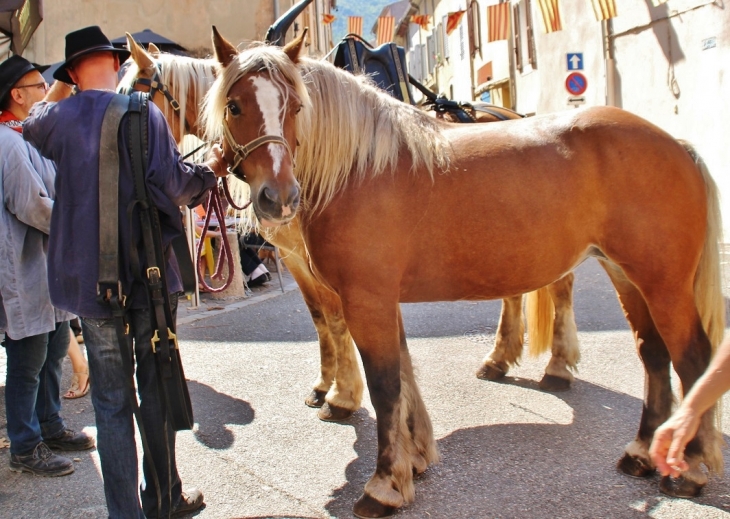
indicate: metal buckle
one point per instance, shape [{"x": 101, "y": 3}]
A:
[
  {"x": 153, "y": 270},
  {"x": 170, "y": 337}
]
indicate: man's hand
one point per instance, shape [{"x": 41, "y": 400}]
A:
[
  {"x": 216, "y": 162},
  {"x": 58, "y": 91},
  {"x": 670, "y": 439}
]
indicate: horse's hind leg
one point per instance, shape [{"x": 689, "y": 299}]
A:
[
  {"x": 508, "y": 345},
  {"x": 655, "y": 357},
  {"x": 689, "y": 349},
  {"x": 565, "y": 351}
]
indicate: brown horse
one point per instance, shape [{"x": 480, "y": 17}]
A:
[
  {"x": 524, "y": 202},
  {"x": 338, "y": 389}
]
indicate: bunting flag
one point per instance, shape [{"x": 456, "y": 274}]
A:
[
  {"x": 452, "y": 21},
  {"x": 328, "y": 18},
  {"x": 550, "y": 15},
  {"x": 421, "y": 19},
  {"x": 498, "y": 20},
  {"x": 354, "y": 25},
  {"x": 605, "y": 9},
  {"x": 386, "y": 26}
]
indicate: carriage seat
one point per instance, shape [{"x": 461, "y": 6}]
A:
[{"x": 386, "y": 65}]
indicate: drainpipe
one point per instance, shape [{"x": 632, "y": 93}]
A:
[
  {"x": 610, "y": 64},
  {"x": 276, "y": 9}
]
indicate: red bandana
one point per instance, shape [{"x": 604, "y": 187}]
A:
[{"x": 8, "y": 119}]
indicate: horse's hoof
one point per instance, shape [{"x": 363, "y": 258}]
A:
[
  {"x": 333, "y": 413},
  {"x": 680, "y": 487},
  {"x": 635, "y": 467},
  {"x": 315, "y": 398},
  {"x": 553, "y": 383},
  {"x": 490, "y": 372},
  {"x": 366, "y": 508}
]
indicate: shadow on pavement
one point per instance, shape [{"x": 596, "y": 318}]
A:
[
  {"x": 536, "y": 470},
  {"x": 213, "y": 411}
]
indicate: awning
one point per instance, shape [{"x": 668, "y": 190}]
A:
[
  {"x": 147, "y": 36},
  {"x": 18, "y": 21}
]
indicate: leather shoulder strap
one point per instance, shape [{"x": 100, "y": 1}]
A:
[{"x": 109, "y": 194}]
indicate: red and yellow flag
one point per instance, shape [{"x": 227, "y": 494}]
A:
[
  {"x": 354, "y": 25},
  {"x": 328, "y": 18},
  {"x": 452, "y": 21},
  {"x": 386, "y": 26},
  {"x": 421, "y": 19},
  {"x": 550, "y": 11},
  {"x": 604, "y": 9},
  {"x": 498, "y": 20}
]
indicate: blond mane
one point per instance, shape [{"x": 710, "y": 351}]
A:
[
  {"x": 348, "y": 128},
  {"x": 182, "y": 75}
]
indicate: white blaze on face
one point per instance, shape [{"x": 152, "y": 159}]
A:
[{"x": 269, "y": 100}]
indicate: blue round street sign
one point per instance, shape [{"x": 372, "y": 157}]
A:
[{"x": 576, "y": 83}]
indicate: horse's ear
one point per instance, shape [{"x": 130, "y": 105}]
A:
[
  {"x": 295, "y": 47},
  {"x": 153, "y": 49},
  {"x": 225, "y": 52},
  {"x": 139, "y": 55}
]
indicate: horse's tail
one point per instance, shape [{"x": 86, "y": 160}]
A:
[
  {"x": 708, "y": 289},
  {"x": 708, "y": 278},
  {"x": 540, "y": 313}
]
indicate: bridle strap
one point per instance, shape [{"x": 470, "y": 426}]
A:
[
  {"x": 155, "y": 85},
  {"x": 242, "y": 152}
]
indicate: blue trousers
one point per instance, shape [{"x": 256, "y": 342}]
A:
[
  {"x": 32, "y": 387},
  {"x": 115, "y": 420}
]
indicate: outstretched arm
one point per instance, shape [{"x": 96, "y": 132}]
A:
[{"x": 670, "y": 439}]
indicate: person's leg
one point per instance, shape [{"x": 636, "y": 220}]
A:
[
  {"x": 48, "y": 404},
  {"x": 26, "y": 359},
  {"x": 115, "y": 431},
  {"x": 160, "y": 436},
  {"x": 80, "y": 379}
]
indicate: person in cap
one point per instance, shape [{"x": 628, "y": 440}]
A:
[
  {"x": 36, "y": 334},
  {"x": 69, "y": 132}
]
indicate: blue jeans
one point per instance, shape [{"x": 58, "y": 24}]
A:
[
  {"x": 114, "y": 419},
  {"x": 32, "y": 387}
]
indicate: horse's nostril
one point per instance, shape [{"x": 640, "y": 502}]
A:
[{"x": 269, "y": 194}]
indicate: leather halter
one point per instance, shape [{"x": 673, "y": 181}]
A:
[
  {"x": 156, "y": 85},
  {"x": 242, "y": 152}
]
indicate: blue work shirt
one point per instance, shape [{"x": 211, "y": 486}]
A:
[{"x": 69, "y": 133}]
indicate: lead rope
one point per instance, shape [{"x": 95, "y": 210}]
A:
[{"x": 214, "y": 204}]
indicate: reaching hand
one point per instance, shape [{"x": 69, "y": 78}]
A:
[
  {"x": 670, "y": 439},
  {"x": 58, "y": 91},
  {"x": 216, "y": 162}
]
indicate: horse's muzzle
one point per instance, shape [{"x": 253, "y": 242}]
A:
[{"x": 277, "y": 206}]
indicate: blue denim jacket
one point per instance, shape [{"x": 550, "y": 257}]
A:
[
  {"x": 68, "y": 132},
  {"x": 25, "y": 219}
]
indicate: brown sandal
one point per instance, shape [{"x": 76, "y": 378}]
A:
[{"x": 77, "y": 390}]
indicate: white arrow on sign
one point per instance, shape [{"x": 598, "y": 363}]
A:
[{"x": 575, "y": 62}]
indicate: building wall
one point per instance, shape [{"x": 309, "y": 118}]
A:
[{"x": 186, "y": 22}]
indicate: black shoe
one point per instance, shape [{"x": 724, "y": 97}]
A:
[
  {"x": 190, "y": 501},
  {"x": 41, "y": 462},
  {"x": 260, "y": 280},
  {"x": 70, "y": 440}
]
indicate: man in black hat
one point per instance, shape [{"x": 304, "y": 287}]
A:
[
  {"x": 69, "y": 131},
  {"x": 36, "y": 334}
]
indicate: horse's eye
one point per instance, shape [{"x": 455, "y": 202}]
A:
[
  {"x": 233, "y": 108},
  {"x": 299, "y": 108}
]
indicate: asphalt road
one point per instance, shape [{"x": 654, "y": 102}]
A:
[{"x": 508, "y": 449}]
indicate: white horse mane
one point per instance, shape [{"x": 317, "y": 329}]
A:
[
  {"x": 347, "y": 125},
  {"x": 180, "y": 74}
]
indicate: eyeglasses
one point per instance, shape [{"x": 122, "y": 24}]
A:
[{"x": 42, "y": 85}]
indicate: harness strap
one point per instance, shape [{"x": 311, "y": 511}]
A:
[{"x": 155, "y": 86}]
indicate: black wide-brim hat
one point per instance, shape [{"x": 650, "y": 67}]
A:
[
  {"x": 12, "y": 69},
  {"x": 82, "y": 42}
]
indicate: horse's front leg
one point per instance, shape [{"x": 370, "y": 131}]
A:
[
  {"x": 405, "y": 436},
  {"x": 507, "y": 349}
]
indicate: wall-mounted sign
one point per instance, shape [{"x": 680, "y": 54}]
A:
[
  {"x": 576, "y": 83},
  {"x": 575, "y": 61}
]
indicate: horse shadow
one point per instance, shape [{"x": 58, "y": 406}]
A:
[
  {"x": 536, "y": 470},
  {"x": 213, "y": 411}
]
